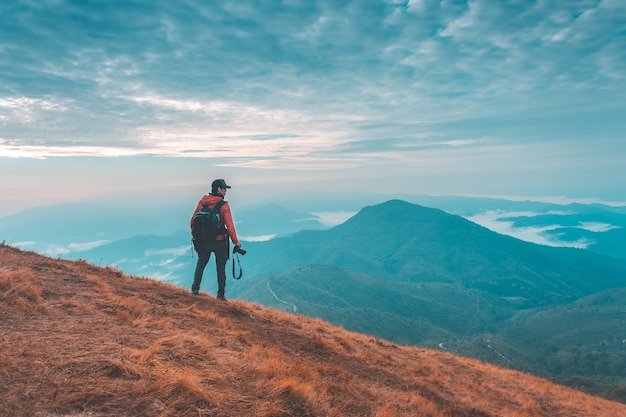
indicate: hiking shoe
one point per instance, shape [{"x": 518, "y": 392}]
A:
[
  {"x": 221, "y": 297},
  {"x": 194, "y": 292}
]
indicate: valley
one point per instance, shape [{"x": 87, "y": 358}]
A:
[{"x": 424, "y": 277}]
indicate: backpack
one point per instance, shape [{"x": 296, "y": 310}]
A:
[{"x": 207, "y": 224}]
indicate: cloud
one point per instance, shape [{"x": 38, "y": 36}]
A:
[
  {"x": 57, "y": 250},
  {"x": 262, "y": 238},
  {"x": 43, "y": 152},
  {"x": 456, "y": 86},
  {"x": 495, "y": 220},
  {"x": 597, "y": 227},
  {"x": 79, "y": 247},
  {"x": 281, "y": 51},
  {"x": 23, "y": 109},
  {"x": 333, "y": 218},
  {"x": 169, "y": 251}
]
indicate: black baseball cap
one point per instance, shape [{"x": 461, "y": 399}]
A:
[{"x": 219, "y": 183}]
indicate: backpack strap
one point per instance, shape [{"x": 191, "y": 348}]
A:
[
  {"x": 218, "y": 206},
  {"x": 217, "y": 209}
]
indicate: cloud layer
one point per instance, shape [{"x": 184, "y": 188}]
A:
[{"x": 456, "y": 86}]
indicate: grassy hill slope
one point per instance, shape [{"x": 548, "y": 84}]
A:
[{"x": 78, "y": 340}]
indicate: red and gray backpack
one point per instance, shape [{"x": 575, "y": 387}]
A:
[{"x": 207, "y": 223}]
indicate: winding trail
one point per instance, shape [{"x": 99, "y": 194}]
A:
[{"x": 279, "y": 300}]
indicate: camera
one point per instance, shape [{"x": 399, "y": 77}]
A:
[{"x": 238, "y": 249}]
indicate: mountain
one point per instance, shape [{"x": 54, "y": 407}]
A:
[
  {"x": 554, "y": 224},
  {"x": 581, "y": 344},
  {"x": 403, "y": 242},
  {"x": 81, "y": 340},
  {"x": 418, "y": 276},
  {"x": 164, "y": 257},
  {"x": 69, "y": 228},
  {"x": 56, "y": 228},
  {"x": 423, "y": 277},
  {"x": 403, "y": 312},
  {"x": 589, "y": 334}
]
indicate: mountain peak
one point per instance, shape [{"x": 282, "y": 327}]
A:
[
  {"x": 392, "y": 212},
  {"x": 402, "y": 205},
  {"x": 78, "y": 339}
]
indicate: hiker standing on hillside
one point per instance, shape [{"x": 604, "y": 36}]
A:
[{"x": 220, "y": 244}]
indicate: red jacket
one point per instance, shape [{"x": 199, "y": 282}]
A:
[{"x": 225, "y": 215}]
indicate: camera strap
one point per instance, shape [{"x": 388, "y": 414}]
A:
[{"x": 237, "y": 276}]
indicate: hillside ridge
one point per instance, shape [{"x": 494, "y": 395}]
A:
[
  {"x": 401, "y": 241},
  {"x": 78, "y": 340}
]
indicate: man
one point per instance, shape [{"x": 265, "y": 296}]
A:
[{"x": 219, "y": 246}]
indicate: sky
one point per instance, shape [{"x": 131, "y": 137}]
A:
[{"x": 155, "y": 98}]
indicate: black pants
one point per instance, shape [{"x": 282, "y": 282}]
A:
[{"x": 220, "y": 249}]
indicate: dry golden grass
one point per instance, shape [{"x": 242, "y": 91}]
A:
[{"x": 81, "y": 341}]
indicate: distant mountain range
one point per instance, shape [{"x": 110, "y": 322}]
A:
[
  {"x": 410, "y": 274},
  {"x": 403, "y": 242},
  {"x": 421, "y": 276},
  {"x": 74, "y": 227}
]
